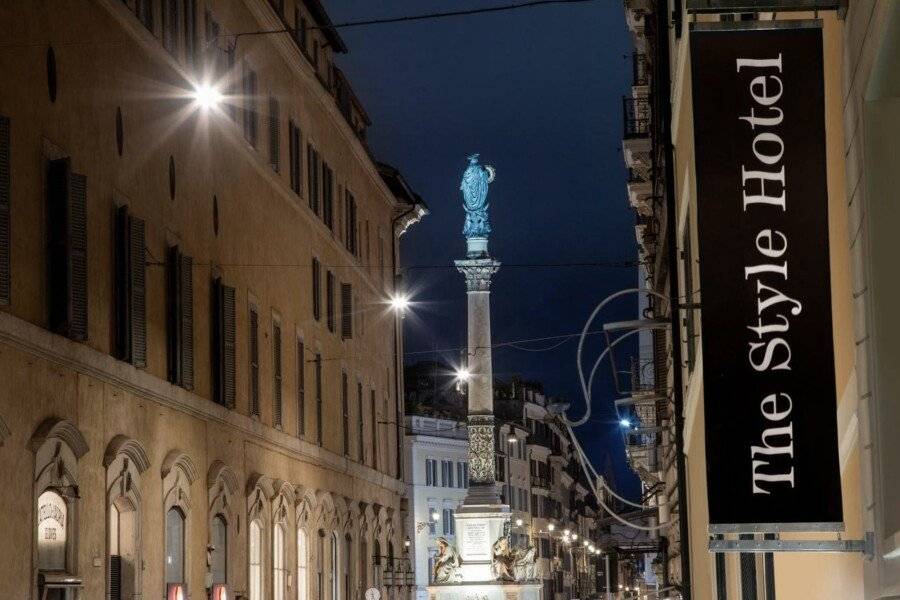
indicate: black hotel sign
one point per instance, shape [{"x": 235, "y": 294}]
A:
[{"x": 762, "y": 202}]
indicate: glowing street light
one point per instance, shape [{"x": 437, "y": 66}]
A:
[
  {"x": 566, "y": 532},
  {"x": 585, "y": 543},
  {"x": 206, "y": 96},
  {"x": 519, "y": 522},
  {"x": 551, "y": 527},
  {"x": 463, "y": 374},
  {"x": 625, "y": 423},
  {"x": 512, "y": 439},
  {"x": 435, "y": 515},
  {"x": 574, "y": 536},
  {"x": 399, "y": 303}
]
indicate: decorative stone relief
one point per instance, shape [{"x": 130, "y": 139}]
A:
[{"x": 481, "y": 448}]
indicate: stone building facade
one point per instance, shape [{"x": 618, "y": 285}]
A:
[
  {"x": 201, "y": 378},
  {"x": 860, "y": 42}
]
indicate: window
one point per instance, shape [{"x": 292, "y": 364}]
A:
[
  {"x": 345, "y": 415},
  {"x": 180, "y": 317},
  {"x": 279, "y": 569},
  {"x": 429, "y": 470},
  {"x": 250, "y": 121},
  {"x": 316, "y": 289},
  {"x": 223, "y": 356},
  {"x": 320, "y": 566},
  {"x": 67, "y": 272},
  {"x": 687, "y": 256},
  {"x": 302, "y": 566},
  {"x": 432, "y": 522},
  {"x": 329, "y": 300},
  {"x": 300, "y": 29},
  {"x": 274, "y": 134},
  {"x": 346, "y": 311},
  {"x": 254, "y": 361},
  {"x": 361, "y": 451},
  {"x": 327, "y": 195},
  {"x": 255, "y": 561},
  {"x": 295, "y": 150},
  {"x": 459, "y": 474},
  {"x": 218, "y": 555},
  {"x": 447, "y": 520},
  {"x": 301, "y": 388},
  {"x": 449, "y": 473},
  {"x": 335, "y": 568},
  {"x": 312, "y": 181},
  {"x": 174, "y": 545},
  {"x": 319, "y": 399},
  {"x": 52, "y": 531},
  {"x": 130, "y": 286},
  {"x": 277, "y": 374},
  {"x": 350, "y": 239},
  {"x": 375, "y": 429}
]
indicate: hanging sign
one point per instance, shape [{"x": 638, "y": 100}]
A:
[{"x": 762, "y": 218}]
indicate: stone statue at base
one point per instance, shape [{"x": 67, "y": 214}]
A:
[
  {"x": 512, "y": 564},
  {"x": 446, "y": 564}
]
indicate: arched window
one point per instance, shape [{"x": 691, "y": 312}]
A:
[
  {"x": 346, "y": 565},
  {"x": 377, "y": 562},
  {"x": 320, "y": 565},
  {"x": 335, "y": 567},
  {"x": 174, "y": 545},
  {"x": 52, "y": 531},
  {"x": 255, "y": 575},
  {"x": 279, "y": 569},
  {"x": 391, "y": 567},
  {"x": 302, "y": 566},
  {"x": 363, "y": 564},
  {"x": 218, "y": 555}
]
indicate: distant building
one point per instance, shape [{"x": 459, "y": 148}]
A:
[{"x": 540, "y": 478}]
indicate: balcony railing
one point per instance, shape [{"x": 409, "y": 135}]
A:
[{"x": 635, "y": 117}]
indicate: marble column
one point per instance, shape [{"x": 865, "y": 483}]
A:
[{"x": 478, "y": 268}]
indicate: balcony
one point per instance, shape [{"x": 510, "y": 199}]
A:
[
  {"x": 635, "y": 117},
  {"x": 539, "y": 439},
  {"x": 640, "y": 70},
  {"x": 640, "y": 191},
  {"x": 540, "y": 482}
]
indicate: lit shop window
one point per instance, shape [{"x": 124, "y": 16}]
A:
[{"x": 52, "y": 531}]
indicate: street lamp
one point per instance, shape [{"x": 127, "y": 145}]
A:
[
  {"x": 519, "y": 522},
  {"x": 574, "y": 536},
  {"x": 551, "y": 527},
  {"x": 512, "y": 439},
  {"x": 206, "y": 96},
  {"x": 463, "y": 374},
  {"x": 626, "y": 423},
  {"x": 435, "y": 515},
  {"x": 399, "y": 303},
  {"x": 566, "y": 532}
]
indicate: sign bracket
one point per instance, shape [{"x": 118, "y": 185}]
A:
[{"x": 865, "y": 546}]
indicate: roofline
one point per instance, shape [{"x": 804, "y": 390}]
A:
[{"x": 320, "y": 15}]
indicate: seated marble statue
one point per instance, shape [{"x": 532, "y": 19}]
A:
[
  {"x": 524, "y": 565},
  {"x": 503, "y": 563},
  {"x": 446, "y": 564}
]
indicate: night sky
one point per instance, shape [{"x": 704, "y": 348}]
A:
[{"x": 537, "y": 92}]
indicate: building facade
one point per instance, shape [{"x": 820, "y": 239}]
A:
[
  {"x": 860, "y": 41},
  {"x": 203, "y": 386}
]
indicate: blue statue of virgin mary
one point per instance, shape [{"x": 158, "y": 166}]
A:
[{"x": 474, "y": 187}]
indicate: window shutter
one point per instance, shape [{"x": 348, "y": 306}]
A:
[
  {"x": 301, "y": 388},
  {"x": 292, "y": 155},
  {"x": 276, "y": 368},
  {"x": 254, "y": 362},
  {"x": 114, "y": 579},
  {"x": 346, "y": 311},
  {"x": 329, "y": 300},
  {"x": 187, "y": 322},
  {"x": 5, "y": 240},
  {"x": 138, "y": 295},
  {"x": 316, "y": 289},
  {"x": 312, "y": 159},
  {"x": 274, "y": 135},
  {"x": 223, "y": 343},
  {"x": 67, "y": 250},
  {"x": 173, "y": 313},
  {"x": 78, "y": 265}
]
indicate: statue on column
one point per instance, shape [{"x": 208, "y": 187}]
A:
[{"x": 474, "y": 187}]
